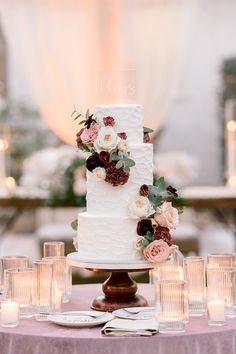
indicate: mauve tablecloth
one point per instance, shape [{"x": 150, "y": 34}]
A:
[{"x": 32, "y": 337}]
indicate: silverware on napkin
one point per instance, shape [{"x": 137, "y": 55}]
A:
[
  {"x": 80, "y": 314},
  {"x": 136, "y": 310}
]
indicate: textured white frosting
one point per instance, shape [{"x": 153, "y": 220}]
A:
[
  {"x": 107, "y": 238},
  {"x": 104, "y": 199},
  {"x": 128, "y": 118},
  {"x": 105, "y": 232}
]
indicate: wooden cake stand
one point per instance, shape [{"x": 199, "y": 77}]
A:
[{"x": 119, "y": 289}]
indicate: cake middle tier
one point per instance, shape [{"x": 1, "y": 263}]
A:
[
  {"x": 105, "y": 199},
  {"x": 107, "y": 238}
]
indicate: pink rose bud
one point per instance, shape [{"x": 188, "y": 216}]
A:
[
  {"x": 122, "y": 135},
  {"x": 108, "y": 121}
]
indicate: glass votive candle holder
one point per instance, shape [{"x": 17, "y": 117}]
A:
[
  {"x": 221, "y": 286},
  {"x": 194, "y": 274},
  {"x": 9, "y": 313},
  {"x": 19, "y": 287},
  {"x": 10, "y": 262},
  {"x": 43, "y": 288},
  {"x": 53, "y": 249},
  {"x": 216, "y": 312},
  {"x": 170, "y": 306},
  {"x": 215, "y": 260}
]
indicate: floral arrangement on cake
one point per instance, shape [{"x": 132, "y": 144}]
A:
[
  {"x": 109, "y": 158},
  {"x": 153, "y": 206}
]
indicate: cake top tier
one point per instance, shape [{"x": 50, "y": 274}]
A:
[{"x": 128, "y": 117}]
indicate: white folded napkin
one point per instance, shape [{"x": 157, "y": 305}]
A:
[{"x": 120, "y": 327}]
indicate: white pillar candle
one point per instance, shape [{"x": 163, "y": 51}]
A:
[
  {"x": 216, "y": 311},
  {"x": 9, "y": 313}
]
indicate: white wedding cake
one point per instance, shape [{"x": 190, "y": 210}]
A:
[{"x": 106, "y": 232}]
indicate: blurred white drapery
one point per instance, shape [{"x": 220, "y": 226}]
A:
[{"x": 65, "y": 48}]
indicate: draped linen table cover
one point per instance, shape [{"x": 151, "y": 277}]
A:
[{"x": 32, "y": 337}]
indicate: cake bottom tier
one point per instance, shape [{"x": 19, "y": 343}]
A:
[{"x": 107, "y": 238}]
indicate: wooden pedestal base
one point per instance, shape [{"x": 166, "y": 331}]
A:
[{"x": 119, "y": 291}]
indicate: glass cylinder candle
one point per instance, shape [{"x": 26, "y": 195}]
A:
[
  {"x": 194, "y": 274},
  {"x": 12, "y": 262},
  {"x": 170, "y": 307},
  {"x": 43, "y": 277},
  {"x": 221, "y": 285},
  {"x": 53, "y": 249},
  {"x": 9, "y": 313},
  {"x": 215, "y": 260},
  {"x": 19, "y": 287},
  {"x": 171, "y": 269},
  {"x": 62, "y": 279}
]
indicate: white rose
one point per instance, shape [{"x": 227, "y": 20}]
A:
[
  {"x": 99, "y": 173},
  {"x": 140, "y": 207},
  {"x": 122, "y": 145},
  {"x": 106, "y": 140},
  {"x": 167, "y": 216}
]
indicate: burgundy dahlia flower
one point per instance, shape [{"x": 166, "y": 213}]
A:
[
  {"x": 115, "y": 176},
  {"x": 144, "y": 226},
  {"x": 93, "y": 162},
  {"x": 104, "y": 157},
  {"x": 163, "y": 233}
]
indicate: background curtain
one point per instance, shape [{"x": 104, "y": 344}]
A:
[{"x": 68, "y": 50}]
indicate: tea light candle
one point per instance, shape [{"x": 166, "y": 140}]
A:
[
  {"x": 216, "y": 312},
  {"x": 9, "y": 313}
]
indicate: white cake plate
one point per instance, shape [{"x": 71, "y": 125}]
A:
[{"x": 76, "y": 261}]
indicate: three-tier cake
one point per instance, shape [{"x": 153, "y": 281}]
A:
[{"x": 106, "y": 232}]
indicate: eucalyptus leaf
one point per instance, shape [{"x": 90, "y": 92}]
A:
[
  {"x": 157, "y": 201},
  {"x": 114, "y": 157},
  {"x": 119, "y": 164},
  {"x": 129, "y": 162},
  {"x": 148, "y": 233},
  {"x": 149, "y": 238},
  {"x": 147, "y": 130},
  {"x": 160, "y": 183},
  {"x": 153, "y": 190},
  {"x": 74, "y": 224},
  {"x": 126, "y": 169},
  {"x": 144, "y": 242}
]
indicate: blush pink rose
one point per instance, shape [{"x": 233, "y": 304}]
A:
[
  {"x": 157, "y": 251},
  {"x": 167, "y": 216},
  {"x": 89, "y": 135}
]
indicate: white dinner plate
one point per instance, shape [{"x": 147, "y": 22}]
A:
[
  {"x": 81, "y": 318},
  {"x": 135, "y": 313}
]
